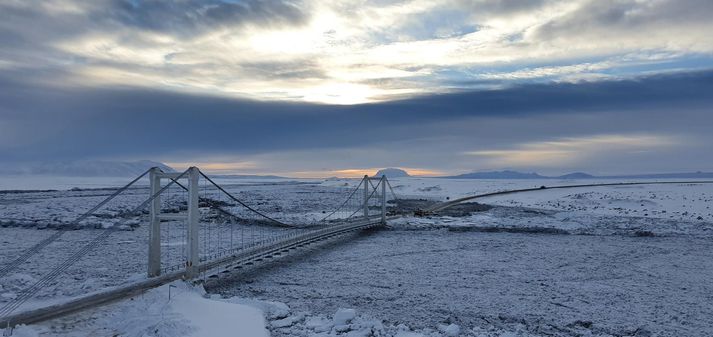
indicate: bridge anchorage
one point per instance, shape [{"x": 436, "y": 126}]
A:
[{"x": 196, "y": 229}]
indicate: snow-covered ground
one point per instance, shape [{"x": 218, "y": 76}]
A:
[
  {"x": 602, "y": 261},
  {"x": 678, "y": 202},
  {"x": 175, "y": 309}
]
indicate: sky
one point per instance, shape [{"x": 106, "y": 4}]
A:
[{"x": 323, "y": 88}]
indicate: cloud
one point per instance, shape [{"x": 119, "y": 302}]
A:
[
  {"x": 216, "y": 167},
  {"x": 495, "y": 10},
  {"x": 193, "y": 17},
  {"x": 345, "y": 52},
  {"x": 573, "y": 151},
  {"x": 312, "y": 86},
  {"x": 428, "y": 132},
  {"x": 611, "y": 26}
]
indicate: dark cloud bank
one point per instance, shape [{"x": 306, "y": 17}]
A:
[{"x": 55, "y": 123}]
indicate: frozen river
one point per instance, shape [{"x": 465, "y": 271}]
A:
[{"x": 542, "y": 284}]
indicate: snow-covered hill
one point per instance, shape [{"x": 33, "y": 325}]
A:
[{"x": 392, "y": 173}]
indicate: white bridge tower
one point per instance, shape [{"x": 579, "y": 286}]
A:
[{"x": 191, "y": 218}]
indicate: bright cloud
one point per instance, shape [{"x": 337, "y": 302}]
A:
[{"x": 345, "y": 52}]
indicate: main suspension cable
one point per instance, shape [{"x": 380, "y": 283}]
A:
[
  {"x": 345, "y": 201},
  {"x": 243, "y": 204}
]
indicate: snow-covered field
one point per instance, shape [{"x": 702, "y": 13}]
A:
[
  {"x": 678, "y": 202},
  {"x": 601, "y": 261}
]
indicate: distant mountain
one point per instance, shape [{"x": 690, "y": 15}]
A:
[
  {"x": 498, "y": 175},
  {"x": 246, "y": 176},
  {"x": 579, "y": 175},
  {"x": 392, "y": 173},
  {"x": 691, "y": 175},
  {"x": 576, "y": 175},
  {"x": 86, "y": 168}
]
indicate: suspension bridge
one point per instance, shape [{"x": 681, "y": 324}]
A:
[{"x": 196, "y": 229}]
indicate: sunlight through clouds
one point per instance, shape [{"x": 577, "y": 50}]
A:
[
  {"x": 572, "y": 150},
  {"x": 358, "y": 173},
  {"x": 346, "y": 52}
]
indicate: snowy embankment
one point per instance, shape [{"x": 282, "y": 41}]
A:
[
  {"x": 640, "y": 210},
  {"x": 178, "y": 309},
  {"x": 528, "y": 220},
  {"x": 175, "y": 309}
]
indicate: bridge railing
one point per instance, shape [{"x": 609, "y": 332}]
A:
[{"x": 227, "y": 226}]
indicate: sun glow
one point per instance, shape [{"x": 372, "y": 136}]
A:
[
  {"x": 360, "y": 172},
  {"x": 347, "y": 52},
  {"x": 571, "y": 150}
]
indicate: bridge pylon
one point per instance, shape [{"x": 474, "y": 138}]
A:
[
  {"x": 366, "y": 196},
  {"x": 191, "y": 217},
  {"x": 377, "y": 192},
  {"x": 192, "y": 252},
  {"x": 154, "y": 265},
  {"x": 383, "y": 199}
]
